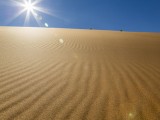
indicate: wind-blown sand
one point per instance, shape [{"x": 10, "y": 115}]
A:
[{"x": 65, "y": 74}]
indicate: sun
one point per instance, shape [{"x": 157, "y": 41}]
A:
[{"x": 30, "y": 7}]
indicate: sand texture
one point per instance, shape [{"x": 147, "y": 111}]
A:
[{"x": 67, "y": 74}]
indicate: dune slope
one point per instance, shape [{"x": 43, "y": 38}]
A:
[{"x": 67, "y": 74}]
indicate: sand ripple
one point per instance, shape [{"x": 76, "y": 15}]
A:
[{"x": 60, "y": 74}]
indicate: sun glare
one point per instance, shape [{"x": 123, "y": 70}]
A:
[{"x": 30, "y": 7}]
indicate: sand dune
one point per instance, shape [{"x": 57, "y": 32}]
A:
[{"x": 67, "y": 74}]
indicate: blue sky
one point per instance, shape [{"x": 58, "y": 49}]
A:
[{"x": 129, "y": 15}]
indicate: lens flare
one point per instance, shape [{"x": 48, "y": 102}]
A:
[
  {"x": 46, "y": 24},
  {"x": 30, "y": 7}
]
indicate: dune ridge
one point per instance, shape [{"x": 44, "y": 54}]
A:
[{"x": 71, "y": 74}]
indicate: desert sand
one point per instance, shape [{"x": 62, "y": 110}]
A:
[{"x": 71, "y": 74}]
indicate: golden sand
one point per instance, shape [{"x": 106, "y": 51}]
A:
[{"x": 67, "y": 74}]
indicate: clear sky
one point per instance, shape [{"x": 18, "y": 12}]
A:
[{"x": 129, "y": 15}]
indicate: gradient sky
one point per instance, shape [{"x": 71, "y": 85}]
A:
[{"x": 129, "y": 15}]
